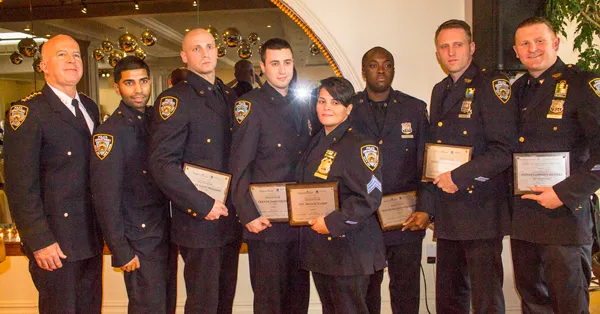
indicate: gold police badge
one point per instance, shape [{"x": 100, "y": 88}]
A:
[
  {"x": 325, "y": 166},
  {"x": 502, "y": 89},
  {"x": 103, "y": 144},
  {"x": 558, "y": 101},
  {"x": 17, "y": 115},
  {"x": 241, "y": 110},
  {"x": 595, "y": 85},
  {"x": 407, "y": 130},
  {"x": 167, "y": 107},
  {"x": 370, "y": 156}
]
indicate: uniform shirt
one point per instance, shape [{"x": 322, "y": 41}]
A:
[
  {"x": 270, "y": 134},
  {"x": 191, "y": 124},
  {"x": 355, "y": 243},
  {"x": 130, "y": 208},
  {"x": 577, "y": 131},
  {"x": 479, "y": 112}
]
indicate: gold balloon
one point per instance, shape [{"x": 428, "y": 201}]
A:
[
  {"x": 98, "y": 54},
  {"x": 213, "y": 31},
  {"x": 140, "y": 53},
  {"x": 107, "y": 46},
  {"x": 259, "y": 48},
  {"x": 127, "y": 42},
  {"x": 115, "y": 56},
  {"x": 253, "y": 38},
  {"x": 314, "y": 49},
  {"x": 27, "y": 47},
  {"x": 232, "y": 37},
  {"x": 221, "y": 50},
  {"x": 245, "y": 50},
  {"x": 36, "y": 65},
  {"x": 16, "y": 58},
  {"x": 148, "y": 38}
]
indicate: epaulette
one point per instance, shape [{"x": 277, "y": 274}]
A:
[{"x": 30, "y": 96}]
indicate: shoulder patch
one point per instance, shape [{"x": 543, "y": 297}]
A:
[
  {"x": 17, "y": 115},
  {"x": 241, "y": 110},
  {"x": 370, "y": 156},
  {"x": 103, "y": 144},
  {"x": 167, "y": 106},
  {"x": 502, "y": 89},
  {"x": 595, "y": 85}
]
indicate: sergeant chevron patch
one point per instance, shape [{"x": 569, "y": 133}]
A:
[{"x": 373, "y": 184}]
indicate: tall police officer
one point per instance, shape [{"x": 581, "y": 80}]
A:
[
  {"x": 191, "y": 124},
  {"x": 47, "y": 162},
  {"x": 552, "y": 230},
  {"x": 399, "y": 124},
  {"x": 271, "y": 132},
  {"x": 130, "y": 208},
  {"x": 470, "y": 108}
]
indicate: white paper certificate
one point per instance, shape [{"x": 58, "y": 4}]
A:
[
  {"x": 271, "y": 200},
  {"x": 539, "y": 169},
  {"x": 443, "y": 158},
  {"x": 214, "y": 183},
  {"x": 309, "y": 201},
  {"x": 395, "y": 209}
]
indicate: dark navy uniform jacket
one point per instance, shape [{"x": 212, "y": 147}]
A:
[
  {"x": 577, "y": 132},
  {"x": 47, "y": 177},
  {"x": 355, "y": 243},
  {"x": 191, "y": 124},
  {"x": 268, "y": 142},
  {"x": 479, "y": 210},
  {"x": 131, "y": 210},
  {"x": 401, "y": 140}
]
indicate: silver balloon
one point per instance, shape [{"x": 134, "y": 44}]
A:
[
  {"x": 245, "y": 50},
  {"x": 27, "y": 47},
  {"x": 36, "y": 65},
  {"x": 213, "y": 31},
  {"x": 314, "y": 49},
  {"x": 107, "y": 46},
  {"x": 148, "y": 38},
  {"x": 127, "y": 42},
  {"x": 114, "y": 57},
  {"x": 232, "y": 37},
  {"x": 140, "y": 53},
  {"x": 16, "y": 58},
  {"x": 221, "y": 50},
  {"x": 253, "y": 38},
  {"x": 98, "y": 54}
]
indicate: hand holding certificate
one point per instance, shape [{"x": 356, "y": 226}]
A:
[
  {"x": 309, "y": 201},
  {"x": 443, "y": 158},
  {"x": 395, "y": 209},
  {"x": 539, "y": 169},
  {"x": 214, "y": 183},
  {"x": 271, "y": 200}
]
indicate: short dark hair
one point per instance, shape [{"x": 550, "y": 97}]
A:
[
  {"x": 339, "y": 88},
  {"x": 178, "y": 75},
  {"x": 364, "y": 58},
  {"x": 450, "y": 24},
  {"x": 536, "y": 20},
  {"x": 273, "y": 44},
  {"x": 127, "y": 64}
]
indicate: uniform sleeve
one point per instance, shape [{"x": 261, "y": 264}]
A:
[
  {"x": 22, "y": 148},
  {"x": 366, "y": 187},
  {"x": 106, "y": 182},
  {"x": 167, "y": 145},
  {"x": 499, "y": 121},
  {"x": 583, "y": 182},
  {"x": 244, "y": 145}
]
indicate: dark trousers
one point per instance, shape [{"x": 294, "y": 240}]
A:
[
  {"x": 147, "y": 287},
  {"x": 73, "y": 289},
  {"x": 552, "y": 278},
  {"x": 469, "y": 271},
  {"x": 278, "y": 283},
  {"x": 210, "y": 276},
  {"x": 404, "y": 268},
  {"x": 342, "y": 294},
  {"x": 172, "y": 278}
]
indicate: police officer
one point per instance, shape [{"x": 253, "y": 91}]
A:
[
  {"x": 271, "y": 131},
  {"x": 474, "y": 108},
  {"x": 47, "y": 161},
  {"x": 551, "y": 236},
  {"x": 191, "y": 124},
  {"x": 130, "y": 208},
  {"x": 399, "y": 123}
]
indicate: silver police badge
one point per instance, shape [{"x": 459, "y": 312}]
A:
[
  {"x": 407, "y": 130},
  {"x": 103, "y": 144},
  {"x": 502, "y": 89},
  {"x": 595, "y": 85},
  {"x": 370, "y": 156},
  {"x": 167, "y": 107},
  {"x": 17, "y": 115},
  {"x": 241, "y": 111}
]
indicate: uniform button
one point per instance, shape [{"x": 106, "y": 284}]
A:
[
  {"x": 144, "y": 171},
  {"x": 208, "y": 140},
  {"x": 334, "y": 139},
  {"x": 465, "y": 132},
  {"x": 230, "y": 129},
  {"x": 349, "y": 129},
  {"x": 470, "y": 192},
  {"x": 189, "y": 210},
  {"x": 407, "y": 149},
  {"x": 69, "y": 153},
  {"x": 555, "y": 128},
  {"x": 439, "y": 141},
  {"x": 440, "y": 124},
  {"x": 298, "y": 134},
  {"x": 380, "y": 142},
  {"x": 299, "y": 152},
  {"x": 328, "y": 238},
  {"x": 139, "y": 117},
  {"x": 143, "y": 225},
  {"x": 66, "y": 215},
  {"x": 521, "y": 139},
  {"x": 194, "y": 214},
  {"x": 278, "y": 144},
  {"x": 119, "y": 112}
]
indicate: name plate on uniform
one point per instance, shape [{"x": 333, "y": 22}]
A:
[
  {"x": 395, "y": 209},
  {"x": 271, "y": 200},
  {"x": 440, "y": 158},
  {"x": 213, "y": 183},
  {"x": 539, "y": 169},
  {"x": 309, "y": 201}
]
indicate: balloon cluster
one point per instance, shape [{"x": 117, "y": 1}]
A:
[
  {"x": 232, "y": 38},
  {"x": 27, "y": 47},
  {"x": 127, "y": 43}
]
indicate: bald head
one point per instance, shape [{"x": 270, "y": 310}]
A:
[
  {"x": 199, "y": 52},
  {"x": 194, "y": 34},
  {"x": 62, "y": 64},
  {"x": 376, "y": 50}
]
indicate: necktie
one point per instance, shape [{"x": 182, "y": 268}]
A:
[{"x": 79, "y": 115}]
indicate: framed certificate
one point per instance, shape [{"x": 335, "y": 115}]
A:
[
  {"x": 539, "y": 169},
  {"x": 214, "y": 183},
  {"x": 440, "y": 158},
  {"x": 309, "y": 201},
  {"x": 271, "y": 200},
  {"x": 395, "y": 209}
]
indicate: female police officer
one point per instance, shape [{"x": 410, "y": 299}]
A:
[{"x": 343, "y": 248}]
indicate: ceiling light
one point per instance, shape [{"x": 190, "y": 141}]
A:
[
  {"x": 136, "y": 4},
  {"x": 268, "y": 26},
  {"x": 48, "y": 35},
  {"x": 83, "y": 7},
  {"x": 27, "y": 28},
  {"x": 195, "y": 3},
  {"x": 187, "y": 29}
]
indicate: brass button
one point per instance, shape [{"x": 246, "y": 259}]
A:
[
  {"x": 407, "y": 149},
  {"x": 208, "y": 140},
  {"x": 144, "y": 171},
  {"x": 139, "y": 117},
  {"x": 298, "y": 134},
  {"x": 465, "y": 132},
  {"x": 440, "y": 123},
  {"x": 334, "y": 139},
  {"x": 328, "y": 238},
  {"x": 278, "y": 144},
  {"x": 230, "y": 129},
  {"x": 521, "y": 139},
  {"x": 470, "y": 192},
  {"x": 119, "y": 112},
  {"x": 66, "y": 214},
  {"x": 69, "y": 153},
  {"x": 439, "y": 141},
  {"x": 143, "y": 225},
  {"x": 380, "y": 142},
  {"x": 299, "y": 152},
  {"x": 189, "y": 210},
  {"x": 555, "y": 128},
  {"x": 349, "y": 129},
  {"x": 194, "y": 214}
]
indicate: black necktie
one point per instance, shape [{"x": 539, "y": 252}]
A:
[
  {"x": 79, "y": 115},
  {"x": 532, "y": 88}
]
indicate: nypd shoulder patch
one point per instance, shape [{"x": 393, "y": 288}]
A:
[
  {"x": 17, "y": 115},
  {"x": 241, "y": 110},
  {"x": 167, "y": 106},
  {"x": 595, "y": 85},
  {"x": 502, "y": 89},
  {"x": 370, "y": 156},
  {"x": 103, "y": 144}
]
